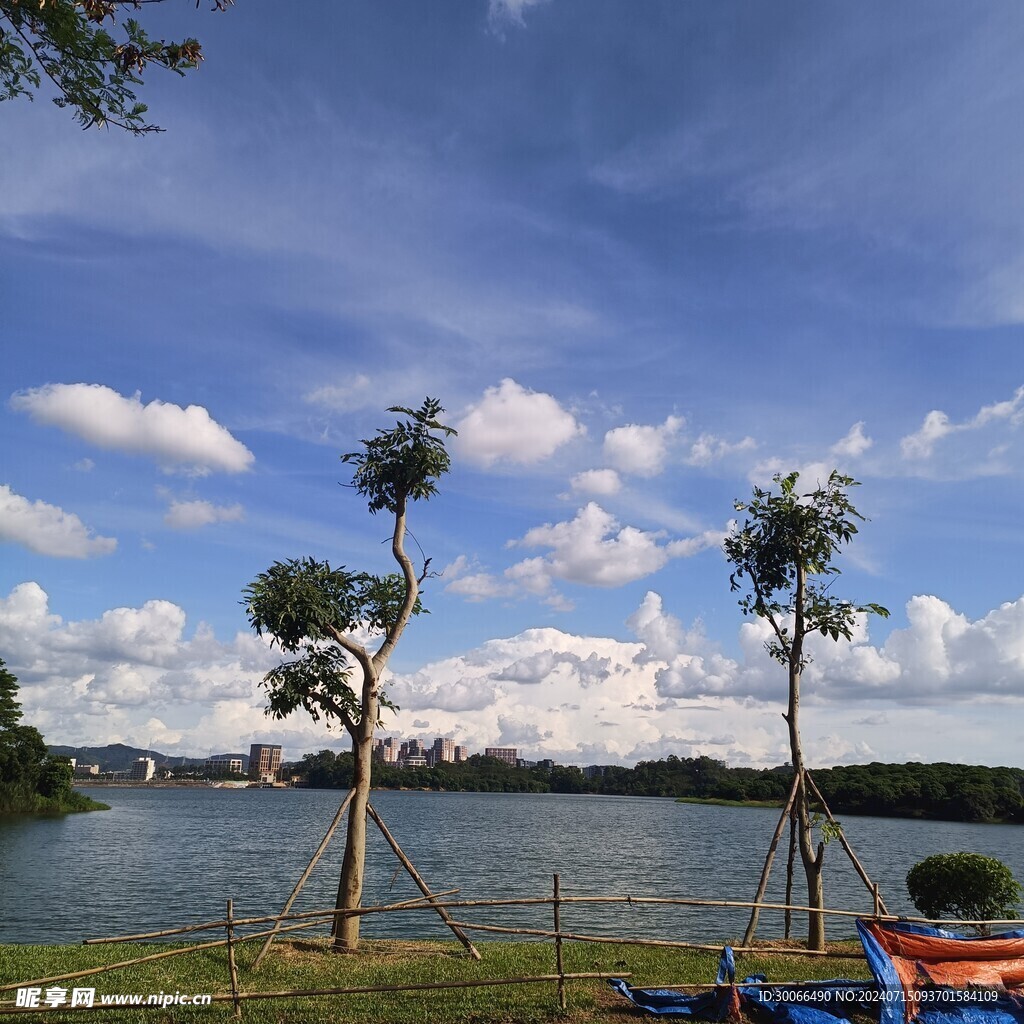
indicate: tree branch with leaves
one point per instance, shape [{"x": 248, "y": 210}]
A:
[{"x": 95, "y": 74}]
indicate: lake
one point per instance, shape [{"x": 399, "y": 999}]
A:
[{"x": 163, "y": 857}]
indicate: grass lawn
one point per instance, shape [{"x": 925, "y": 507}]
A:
[{"x": 309, "y": 964}]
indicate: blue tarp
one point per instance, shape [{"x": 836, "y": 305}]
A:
[{"x": 826, "y": 1002}]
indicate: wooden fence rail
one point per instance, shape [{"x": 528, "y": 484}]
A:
[{"x": 432, "y": 902}]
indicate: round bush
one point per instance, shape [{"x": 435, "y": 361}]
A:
[{"x": 967, "y": 886}]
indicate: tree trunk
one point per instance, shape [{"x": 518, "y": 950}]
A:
[
  {"x": 811, "y": 858},
  {"x": 350, "y": 887}
]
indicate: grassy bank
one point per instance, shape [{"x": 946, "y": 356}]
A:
[
  {"x": 310, "y": 964},
  {"x": 35, "y": 803}
]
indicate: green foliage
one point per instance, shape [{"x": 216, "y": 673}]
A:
[
  {"x": 311, "y": 609},
  {"x": 405, "y": 462},
  {"x": 788, "y": 533},
  {"x": 55, "y": 775},
  {"x": 94, "y": 73},
  {"x": 304, "y": 601},
  {"x": 967, "y": 886},
  {"x": 32, "y": 781}
]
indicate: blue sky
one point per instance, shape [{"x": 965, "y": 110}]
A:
[{"x": 646, "y": 256}]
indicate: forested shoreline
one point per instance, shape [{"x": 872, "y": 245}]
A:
[{"x": 943, "y": 791}]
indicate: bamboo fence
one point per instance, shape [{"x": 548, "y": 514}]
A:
[{"x": 434, "y": 902}]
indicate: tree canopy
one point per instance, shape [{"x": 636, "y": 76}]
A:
[{"x": 72, "y": 44}]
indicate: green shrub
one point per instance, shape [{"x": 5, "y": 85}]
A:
[{"x": 967, "y": 886}]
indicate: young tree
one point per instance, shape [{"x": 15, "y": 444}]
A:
[
  {"x": 95, "y": 74},
  {"x": 311, "y": 609},
  {"x": 782, "y": 557}
]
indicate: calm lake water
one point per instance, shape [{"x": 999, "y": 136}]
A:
[{"x": 163, "y": 857}]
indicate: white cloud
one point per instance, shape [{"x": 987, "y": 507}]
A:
[
  {"x": 190, "y": 515},
  {"x": 172, "y": 435},
  {"x": 602, "y": 482},
  {"x": 47, "y": 529},
  {"x": 641, "y": 450},
  {"x": 101, "y": 680},
  {"x": 940, "y": 657},
  {"x": 513, "y": 424},
  {"x": 708, "y": 448},
  {"x": 937, "y": 425},
  {"x": 536, "y": 668},
  {"x": 134, "y": 674},
  {"x": 596, "y": 550},
  {"x": 855, "y": 443}
]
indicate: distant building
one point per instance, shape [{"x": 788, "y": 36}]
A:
[
  {"x": 461, "y": 754},
  {"x": 546, "y": 763},
  {"x": 83, "y": 771},
  {"x": 414, "y": 761},
  {"x": 521, "y": 762},
  {"x": 444, "y": 750},
  {"x": 595, "y": 771},
  {"x": 142, "y": 769},
  {"x": 264, "y": 762},
  {"x": 386, "y": 750},
  {"x": 507, "y": 754},
  {"x": 231, "y": 765}
]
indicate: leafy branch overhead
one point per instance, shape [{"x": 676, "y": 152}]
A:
[
  {"x": 790, "y": 533},
  {"x": 68, "y": 43}
]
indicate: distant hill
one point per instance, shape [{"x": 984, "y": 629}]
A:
[{"x": 117, "y": 757}]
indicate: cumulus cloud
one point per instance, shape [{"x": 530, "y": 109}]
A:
[
  {"x": 855, "y": 443},
  {"x": 539, "y": 667},
  {"x": 513, "y": 424},
  {"x": 92, "y": 679},
  {"x": 941, "y": 656},
  {"x": 136, "y": 673},
  {"x": 47, "y": 529},
  {"x": 596, "y": 550},
  {"x": 641, "y": 450},
  {"x": 602, "y": 482},
  {"x": 937, "y": 425},
  {"x": 173, "y": 436},
  {"x": 190, "y": 515}
]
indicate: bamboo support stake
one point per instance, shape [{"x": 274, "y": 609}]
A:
[
  {"x": 878, "y": 902},
  {"x": 790, "y": 862},
  {"x": 408, "y": 865},
  {"x": 232, "y": 966},
  {"x": 559, "y": 965},
  {"x": 305, "y": 874},
  {"x": 858, "y": 867},
  {"x": 748, "y": 935}
]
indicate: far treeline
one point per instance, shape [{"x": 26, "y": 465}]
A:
[{"x": 950, "y": 792}]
